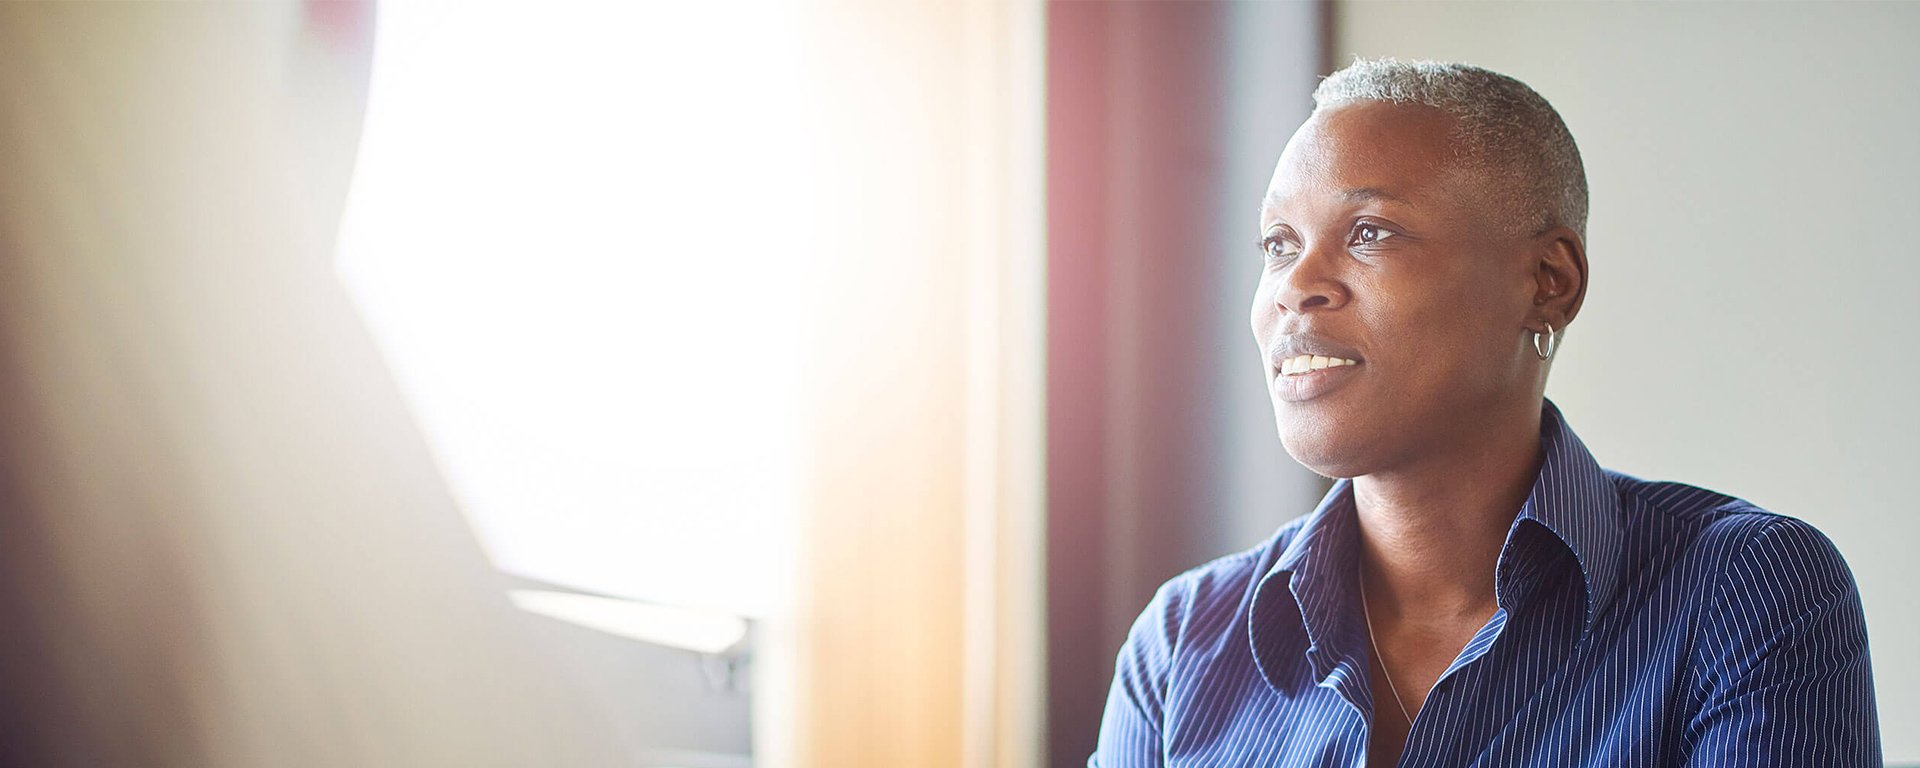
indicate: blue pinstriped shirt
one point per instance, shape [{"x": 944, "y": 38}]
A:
[{"x": 1639, "y": 623}]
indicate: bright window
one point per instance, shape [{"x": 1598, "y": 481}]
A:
[{"x": 569, "y": 233}]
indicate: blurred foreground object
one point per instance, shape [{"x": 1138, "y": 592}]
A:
[
  {"x": 222, "y": 542},
  {"x": 919, "y": 632}
]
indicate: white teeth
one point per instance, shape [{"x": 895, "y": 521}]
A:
[{"x": 1305, "y": 363}]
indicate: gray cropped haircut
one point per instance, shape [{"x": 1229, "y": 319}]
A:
[{"x": 1501, "y": 126}]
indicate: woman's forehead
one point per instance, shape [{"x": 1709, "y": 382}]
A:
[{"x": 1370, "y": 152}]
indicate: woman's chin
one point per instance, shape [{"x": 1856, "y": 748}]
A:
[{"x": 1328, "y": 455}]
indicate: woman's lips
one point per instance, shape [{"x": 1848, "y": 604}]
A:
[{"x": 1301, "y": 387}]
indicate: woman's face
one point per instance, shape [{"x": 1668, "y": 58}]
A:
[{"x": 1379, "y": 250}]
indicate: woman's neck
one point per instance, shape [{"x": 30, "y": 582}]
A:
[{"x": 1431, "y": 533}]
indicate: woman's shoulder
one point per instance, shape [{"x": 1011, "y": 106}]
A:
[
  {"x": 1710, "y": 518},
  {"x": 1216, "y": 588},
  {"x": 1746, "y": 558}
]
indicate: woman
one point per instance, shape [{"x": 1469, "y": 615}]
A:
[{"x": 1475, "y": 589}]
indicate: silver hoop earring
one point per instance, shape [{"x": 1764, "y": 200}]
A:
[{"x": 1552, "y": 342}]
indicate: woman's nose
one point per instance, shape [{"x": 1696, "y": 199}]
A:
[{"x": 1312, "y": 283}]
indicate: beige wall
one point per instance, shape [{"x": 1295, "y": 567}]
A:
[{"x": 1755, "y": 254}]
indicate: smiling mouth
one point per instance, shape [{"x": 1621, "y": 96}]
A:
[
  {"x": 1304, "y": 364},
  {"x": 1303, "y": 379}
]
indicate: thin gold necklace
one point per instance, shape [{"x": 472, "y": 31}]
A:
[{"x": 1368, "y": 613}]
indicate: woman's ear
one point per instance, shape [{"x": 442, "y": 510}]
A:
[{"x": 1560, "y": 275}]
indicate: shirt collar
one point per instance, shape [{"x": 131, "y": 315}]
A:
[{"x": 1572, "y": 498}]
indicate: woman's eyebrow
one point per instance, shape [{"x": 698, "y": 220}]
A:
[
  {"x": 1357, "y": 194},
  {"x": 1373, "y": 193}
]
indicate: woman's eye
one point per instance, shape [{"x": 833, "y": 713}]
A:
[
  {"x": 1276, "y": 249},
  {"x": 1368, "y": 234}
]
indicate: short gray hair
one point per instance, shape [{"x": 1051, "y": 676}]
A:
[{"x": 1500, "y": 125}]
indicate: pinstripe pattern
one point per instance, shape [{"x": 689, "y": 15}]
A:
[{"x": 1639, "y": 624}]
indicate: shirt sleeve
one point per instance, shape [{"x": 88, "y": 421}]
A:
[
  {"x": 1786, "y": 679},
  {"x": 1130, "y": 730}
]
